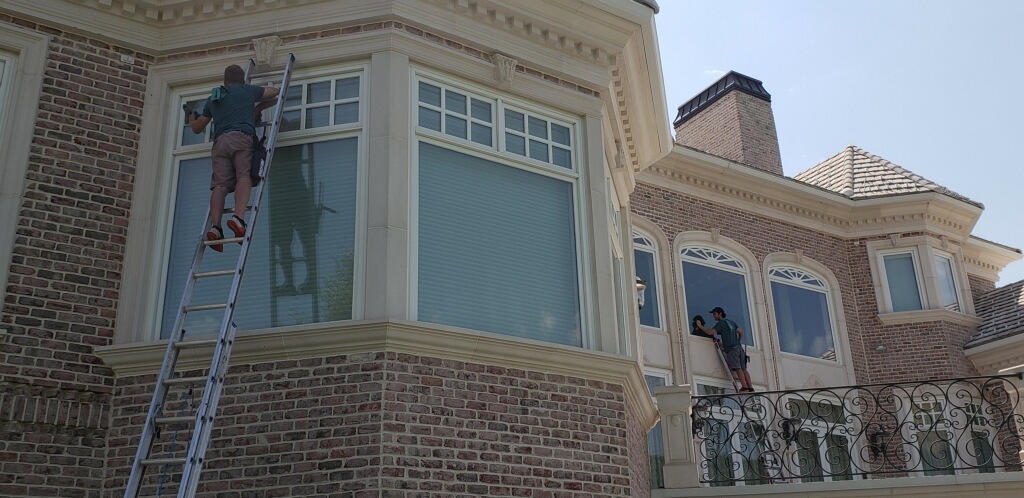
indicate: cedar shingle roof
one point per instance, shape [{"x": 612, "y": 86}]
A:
[
  {"x": 1002, "y": 314},
  {"x": 858, "y": 174}
]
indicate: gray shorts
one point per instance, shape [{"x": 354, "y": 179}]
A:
[
  {"x": 232, "y": 157},
  {"x": 736, "y": 358}
]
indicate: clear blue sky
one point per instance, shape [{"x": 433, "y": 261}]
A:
[{"x": 934, "y": 86}]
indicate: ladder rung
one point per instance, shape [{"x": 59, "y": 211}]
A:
[
  {"x": 196, "y": 343},
  {"x": 185, "y": 419},
  {"x": 232, "y": 210},
  {"x": 154, "y": 462},
  {"x": 227, "y": 240},
  {"x": 215, "y": 273},
  {"x": 205, "y": 307},
  {"x": 184, "y": 381}
]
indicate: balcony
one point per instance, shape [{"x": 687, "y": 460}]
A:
[{"x": 949, "y": 433}]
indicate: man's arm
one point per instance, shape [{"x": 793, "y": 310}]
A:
[
  {"x": 707, "y": 331},
  {"x": 197, "y": 124},
  {"x": 269, "y": 98}
]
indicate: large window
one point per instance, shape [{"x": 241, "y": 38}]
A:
[
  {"x": 819, "y": 440},
  {"x": 645, "y": 260},
  {"x": 656, "y": 437},
  {"x": 300, "y": 266},
  {"x": 496, "y": 230},
  {"x": 713, "y": 278},
  {"x": 802, "y": 317},
  {"x": 945, "y": 277},
  {"x": 733, "y": 454}
]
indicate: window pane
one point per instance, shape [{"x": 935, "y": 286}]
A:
[
  {"x": 294, "y": 96},
  {"x": 187, "y": 137},
  {"x": 291, "y": 120},
  {"x": 497, "y": 248},
  {"x": 707, "y": 287},
  {"x": 318, "y": 92},
  {"x": 454, "y": 126},
  {"x": 561, "y": 157},
  {"x": 430, "y": 94},
  {"x": 947, "y": 284},
  {"x": 481, "y": 110},
  {"x": 347, "y": 88},
  {"x": 837, "y": 456},
  {"x": 515, "y": 121},
  {"x": 656, "y": 454},
  {"x": 301, "y": 272},
  {"x": 538, "y": 128},
  {"x": 538, "y": 150},
  {"x": 808, "y": 457},
  {"x": 902, "y": 280},
  {"x": 318, "y": 117},
  {"x": 515, "y": 144},
  {"x": 560, "y": 134},
  {"x": 430, "y": 119},
  {"x": 481, "y": 134},
  {"x": 803, "y": 321},
  {"x": 454, "y": 102},
  {"x": 346, "y": 113},
  {"x": 649, "y": 314},
  {"x": 936, "y": 453}
]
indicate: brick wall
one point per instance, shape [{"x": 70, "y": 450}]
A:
[
  {"x": 674, "y": 213},
  {"x": 65, "y": 271},
  {"x": 930, "y": 350},
  {"x": 979, "y": 286},
  {"x": 401, "y": 425},
  {"x": 739, "y": 127},
  {"x": 639, "y": 462}
]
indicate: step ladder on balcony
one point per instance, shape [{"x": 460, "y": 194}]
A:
[{"x": 184, "y": 463}]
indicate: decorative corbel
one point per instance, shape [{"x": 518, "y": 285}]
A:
[
  {"x": 799, "y": 253},
  {"x": 265, "y": 49},
  {"x": 894, "y": 238},
  {"x": 945, "y": 242},
  {"x": 504, "y": 69},
  {"x": 715, "y": 234},
  {"x": 620, "y": 157}
]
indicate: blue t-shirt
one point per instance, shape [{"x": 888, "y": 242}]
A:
[
  {"x": 726, "y": 329},
  {"x": 234, "y": 110}
]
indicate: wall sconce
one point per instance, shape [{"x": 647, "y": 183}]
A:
[
  {"x": 877, "y": 442},
  {"x": 880, "y": 348},
  {"x": 641, "y": 286}
]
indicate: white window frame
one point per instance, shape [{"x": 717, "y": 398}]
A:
[
  {"x": 731, "y": 421},
  {"x": 496, "y": 153},
  {"x": 918, "y": 281},
  {"x": 955, "y": 421},
  {"x": 178, "y": 153},
  {"x": 648, "y": 245},
  {"x": 953, "y": 274},
  {"x": 741, "y": 268},
  {"x": 823, "y": 287},
  {"x": 820, "y": 429}
]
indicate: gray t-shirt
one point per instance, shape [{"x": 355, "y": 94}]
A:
[{"x": 235, "y": 109}]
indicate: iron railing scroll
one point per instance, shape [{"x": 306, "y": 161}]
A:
[{"x": 954, "y": 426}]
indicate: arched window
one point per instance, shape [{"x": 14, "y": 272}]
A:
[
  {"x": 646, "y": 262},
  {"x": 802, "y": 312},
  {"x": 713, "y": 278}
]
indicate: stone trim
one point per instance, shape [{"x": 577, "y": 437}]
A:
[
  {"x": 49, "y": 409},
  {"x": 920, "y": 316}
]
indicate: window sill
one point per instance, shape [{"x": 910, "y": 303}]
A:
[{"x": 920, "y": 316}]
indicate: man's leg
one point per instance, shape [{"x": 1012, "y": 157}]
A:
[
  {"x": 217, "y": 196},
  {"x": 243, "y": 188},
  {"x": 745, "y": 379}
]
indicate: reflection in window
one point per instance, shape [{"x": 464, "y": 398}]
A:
[
  {"x": 644, "y": 259},
  {"x": 901, "y": 279},
  {"x": 656, "y": 439},
  {"x": 802, "y": 313},
  {"x": 714, "y": 278},
  {"x": 301, "y": 261},
  {"x": 947, "y": 283},
  {"x": 464, "y": 116},
  {"x": 933, "y": 436}
]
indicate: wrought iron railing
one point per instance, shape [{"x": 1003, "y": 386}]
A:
[{"x": 858, "y": 432}]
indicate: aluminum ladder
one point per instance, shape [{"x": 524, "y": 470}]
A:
[{"x": 189, "y": 463}]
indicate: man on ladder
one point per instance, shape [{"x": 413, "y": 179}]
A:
[
  {"x": 230, "y": 107},
  {"x": 730, "y": 346}
]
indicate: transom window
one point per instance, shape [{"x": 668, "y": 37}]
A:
[
  {"x": 497, "y": 235},
  {"x": 713, "y": 278},
  {"x": 538, "y": 138},
  {"x": 802, "y": 313},
  {"x": 645, "y": 261}
]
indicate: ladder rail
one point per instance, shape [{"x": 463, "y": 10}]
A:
[{"x": 204, "y": 415}]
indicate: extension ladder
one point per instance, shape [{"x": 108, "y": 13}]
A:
[{"x": 190, "y": 459}]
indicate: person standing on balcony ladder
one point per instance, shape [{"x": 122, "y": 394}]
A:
[
  {"x": 732, "y": 345},
  {"x": 233, "y": 108}
]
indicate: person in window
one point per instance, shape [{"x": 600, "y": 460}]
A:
[
  {"x": 233, "y": 108},
  {"x": 731, "y": 340}
]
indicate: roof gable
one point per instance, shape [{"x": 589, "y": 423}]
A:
[{"x": 858, "y": 174}]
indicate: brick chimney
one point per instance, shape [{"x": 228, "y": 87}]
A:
[{"x": 732, "y": 119}]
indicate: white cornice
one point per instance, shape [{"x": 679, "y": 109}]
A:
[
  {"x": 986, "y": 259},
  {"x": 992, "y": 357},
  {"x": 346, "y": 338},
  {"x": 715, "y": 179},
  {"x": 920, "y": 316}
]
